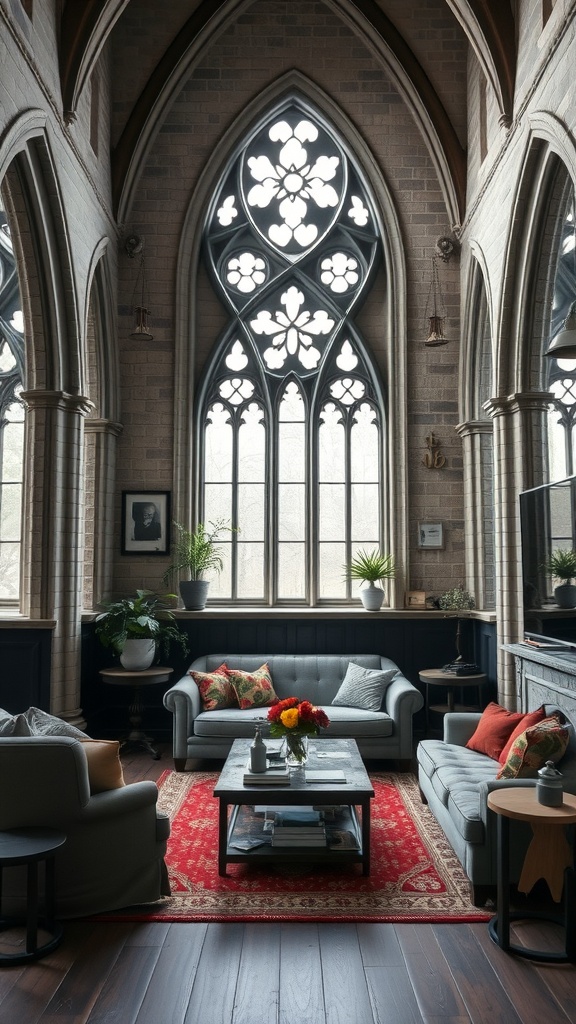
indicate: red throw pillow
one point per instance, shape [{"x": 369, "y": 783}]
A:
[
  {"x": 529, "y": 719},
  {"x": 493, "y": 730}
]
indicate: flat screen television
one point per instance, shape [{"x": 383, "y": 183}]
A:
[{"x": 548, "y": 522}]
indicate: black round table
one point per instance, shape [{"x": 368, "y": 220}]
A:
[{"x": 31, "y": 847}]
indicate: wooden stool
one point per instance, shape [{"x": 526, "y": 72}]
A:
[{"x": 30, "y": 846}]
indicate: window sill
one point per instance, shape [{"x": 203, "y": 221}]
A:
[{"x": 352, "y": 612}]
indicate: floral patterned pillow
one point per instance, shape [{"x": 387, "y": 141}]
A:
[
  {"x": 216, "y": 690},
  {"x": 546, "y": 741},
  {"x": 253, "y": 689}
]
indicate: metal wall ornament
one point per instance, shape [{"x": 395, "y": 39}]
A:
[{"x": 433, "y": 459}]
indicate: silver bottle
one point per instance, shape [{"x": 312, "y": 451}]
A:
[
  {"x": 549, "y": 786},
  {"x": 258, "y": 752}
]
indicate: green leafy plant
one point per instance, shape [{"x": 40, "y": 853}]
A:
[
  {"x": 456, "y": 599},
  {"x": 196, "y": 551},
  {"x": 370, "y": 566},
  {"x": 144, "y": 617},
  {"x": 562, "y": 564}
]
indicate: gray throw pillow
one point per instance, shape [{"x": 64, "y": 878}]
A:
[
  {"x": 363, "y": 688},
  {"x": 9, "y": 724},
  {"x": 40, "y": 723}
]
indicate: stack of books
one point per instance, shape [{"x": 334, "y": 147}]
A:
[
  {"x": 299, "y": 835},
  {"x": 278, "y": 775}
]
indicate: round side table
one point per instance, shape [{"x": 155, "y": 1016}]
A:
[
  {"x": 31, "y": 846},
  {"x": 548, "y": 856},
  {"x": 136, "y": 738},
  {"x": 450, "y": 681}
]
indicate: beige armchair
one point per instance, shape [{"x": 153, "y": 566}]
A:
[{"x": 114, "y": 854}]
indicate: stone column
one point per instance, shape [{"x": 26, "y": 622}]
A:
[
  {"x": 477, "y": 450},
  {"x": 519, "y": 460},
  {"x": 100, "y": 480},
  {"x": 54, "y": 535}
]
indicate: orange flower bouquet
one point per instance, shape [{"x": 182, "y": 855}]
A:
[{"x": 296, "y": 720}]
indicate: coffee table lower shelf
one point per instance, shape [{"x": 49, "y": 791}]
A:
[{"x": 348, "y": 821}]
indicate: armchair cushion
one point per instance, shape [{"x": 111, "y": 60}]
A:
[
  {"x": 104, "y": 765},
  {"x": 253, "y": 689}
]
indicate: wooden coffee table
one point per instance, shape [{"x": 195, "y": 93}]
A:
[{"x": 356, "y": 792}]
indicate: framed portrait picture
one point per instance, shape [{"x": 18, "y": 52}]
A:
[
  {"x": 430, "y": 535},
  {"x": 145, "y": 522},
  {"x": 415, "y": 599}
]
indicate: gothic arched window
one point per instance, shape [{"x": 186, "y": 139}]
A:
[
  {"x": 562, "y": 372},
  {"x": 290, "y": 409},
  {"x": 11, "y": 419}
]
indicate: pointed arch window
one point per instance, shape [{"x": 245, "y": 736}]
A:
[
  {"x": 290, "y": 408},
  {"x": 11, "y": 419},
  {"x": 562, "y": 372}
]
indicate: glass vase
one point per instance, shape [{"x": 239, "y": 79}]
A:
[{"x": 295, "y": 749}]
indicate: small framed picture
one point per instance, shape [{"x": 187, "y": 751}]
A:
[
  {"x": 415, "y": 599},
  {"x": 145, "y": 522},
  {"x": 430, "y": 535}
]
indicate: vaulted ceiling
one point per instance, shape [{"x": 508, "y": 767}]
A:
[{"x": 184, "y": 26}]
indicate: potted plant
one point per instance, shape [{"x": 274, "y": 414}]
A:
[
  {"x": 370, "y": 567},
  {"x": 562, "y": 566},
  {"x": 134, "y": 627},
  {"x": 196, "y": 553}
]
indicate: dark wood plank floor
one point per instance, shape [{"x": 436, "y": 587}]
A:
[{"x": 284, "y": 973}]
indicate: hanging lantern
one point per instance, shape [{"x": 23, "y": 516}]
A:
[
  {"x": 435, "y": 311},
  {"x": 134, "y": 247}
]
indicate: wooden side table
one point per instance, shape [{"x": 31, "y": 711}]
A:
[
  {"x": 451, "y": 682},
  {"x": 31, "y": 846},
  {"x": 549, "y": 856},
  {"x": 136, "y": 738}
]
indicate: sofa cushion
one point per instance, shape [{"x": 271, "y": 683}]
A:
[
  {"x": 546, "y": 741},
  {"x": 252, "y": 689},
  {"x": 529, "y": 719},
  {"x": 216, "y": 690},
  {"x": 104, "y": 765},
  {"x": 230, "y": 723},
  {"x": 363, "y": 688},
  {"x": 493, "y": 729}
]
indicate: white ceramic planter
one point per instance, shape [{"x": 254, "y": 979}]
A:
[
  {"x": 137, "y": 654},
  {"x": 372, "y": 597}
]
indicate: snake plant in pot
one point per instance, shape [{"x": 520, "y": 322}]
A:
[
  {"x": 370, "y": 567},
  {"x": 134, "y": 628}
]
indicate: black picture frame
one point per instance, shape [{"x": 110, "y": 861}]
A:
[{"x": 142, "y": 534}]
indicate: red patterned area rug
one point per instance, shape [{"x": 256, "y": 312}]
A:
[{"x": 414, "y": 873}]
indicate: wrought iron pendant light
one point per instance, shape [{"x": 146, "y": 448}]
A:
[
  {"x": 435, "y": 310},
  {"x": 135, "y": 247}
]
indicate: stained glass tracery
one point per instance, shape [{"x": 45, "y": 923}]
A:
[{"x": 291, "y": 241}]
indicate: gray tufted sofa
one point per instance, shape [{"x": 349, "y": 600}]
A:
[
  {"x": 380, "y": 734},
  {"x": 455, "y": 783}
]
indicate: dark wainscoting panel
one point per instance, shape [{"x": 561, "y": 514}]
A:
[
  {"x": 414, "y": 644},
  {"x": 25, "y": 656}
]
